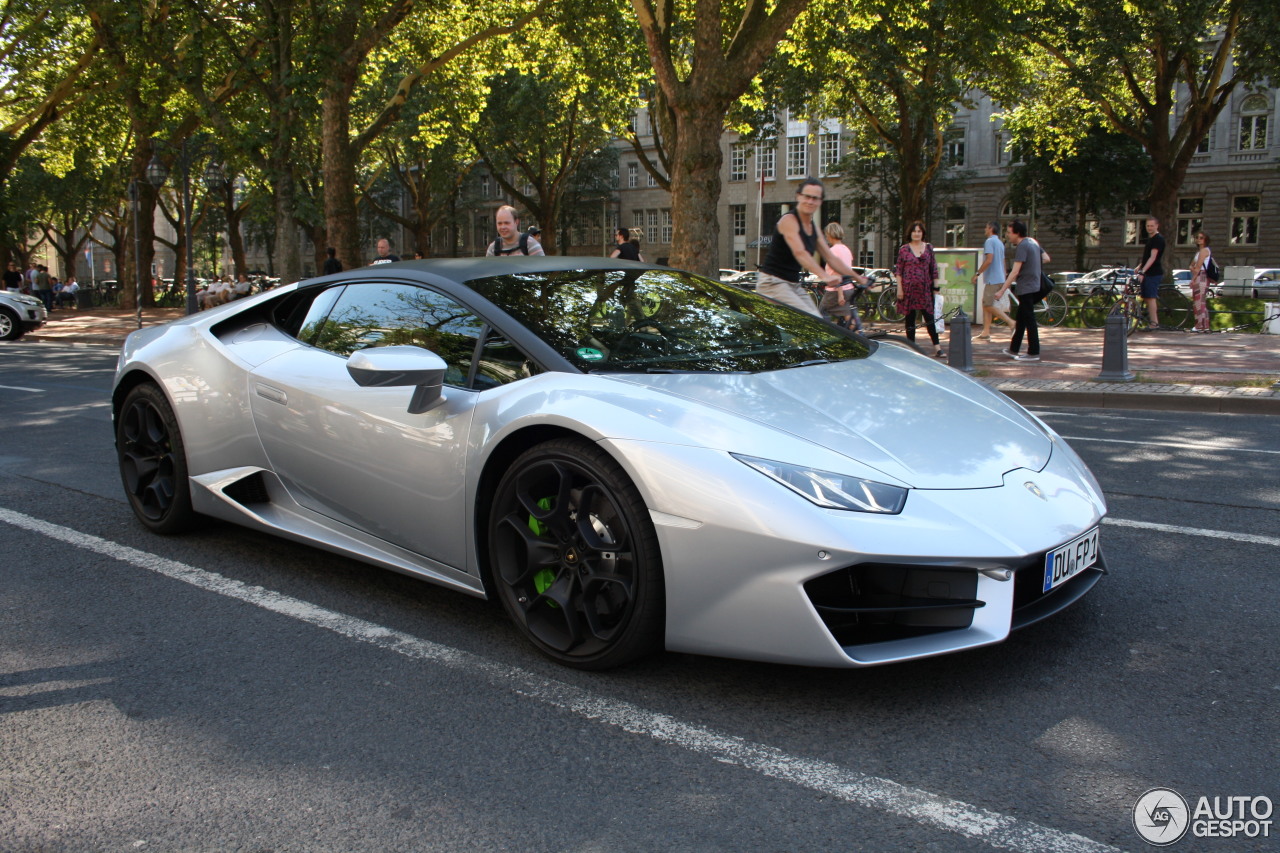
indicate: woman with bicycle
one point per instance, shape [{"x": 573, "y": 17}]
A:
[
  {"x": 837, "y": 299},
  {"x": 917, "y": 271}
]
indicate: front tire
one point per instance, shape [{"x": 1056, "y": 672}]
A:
[
  {"x": 574, "y": 557},
  {"x": 10, "y": 326},
  {"x": 153, "y": 461}
]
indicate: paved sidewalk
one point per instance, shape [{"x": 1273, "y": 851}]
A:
[{"x": 1175, "y": 371}]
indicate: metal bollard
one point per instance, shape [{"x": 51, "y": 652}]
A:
[
  {"x": 1115, "y": 351},
  {"x": 960, "y": 345}
]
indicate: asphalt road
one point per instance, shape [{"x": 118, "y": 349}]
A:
[{"x": 228, "y": 691}]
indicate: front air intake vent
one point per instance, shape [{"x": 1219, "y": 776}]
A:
[
  {"x": 878, "y": 602},
  {"x": 248, "y": 490}
]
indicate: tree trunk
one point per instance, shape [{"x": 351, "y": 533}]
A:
[
  {"x": 695, "y": 191},
  {"x": 339, "y": 170}
]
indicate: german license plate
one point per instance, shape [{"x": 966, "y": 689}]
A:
[{"x": 1062, "y": 564}]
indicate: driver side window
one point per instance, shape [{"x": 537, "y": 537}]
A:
[{"x": 379, "y": 315}]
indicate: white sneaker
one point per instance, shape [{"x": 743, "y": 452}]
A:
[{"x": 1026, "y": 358}]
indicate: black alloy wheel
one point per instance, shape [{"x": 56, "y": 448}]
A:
[
  {"x": 153, "y": 462},
  {"x": 574, "y": 556}
]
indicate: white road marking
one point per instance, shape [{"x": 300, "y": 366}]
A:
[
  {"x": 925, "y": 808},
  {"x": 1251, "y": 538},
  {"x": 1200, "y": 446},
  {"x": 20, "y": 388}
]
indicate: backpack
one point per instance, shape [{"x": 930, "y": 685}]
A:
[
  {"x": 522, "y": 247},
  {"x": 1211, "y": 270}
]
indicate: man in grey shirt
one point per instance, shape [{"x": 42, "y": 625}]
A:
[{"x": 1024, "y": 278}]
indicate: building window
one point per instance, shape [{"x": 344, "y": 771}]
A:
[
  {"x": 666, "y": 225},
  {"x": 1002, "y": 148},
  {"x": 651, "y": 234},
  {"x": 737, "y": 162},
  {"x": 486, "y": 186},
  {"x": 614, "y": 178},
  {"x": 1092, "y": 233},
  {"x": 739, "y": 259},
  {"x": 766, "y": 156},
  {"x": 956, "y": 215},
  {"x": 650, "y": 181},
  {"x": 1135, "y": 231},
  {"x": 1253, "y": 123},
  {"x": 1190, "y": 220},
  {"x": 828, "y": 154},
  {"x": 1244, "y": 219},
  {"x": 866, "y": 219},
  {"x": 797, "y": 156},
  {"x": 954, "y": 152},
  {"x": 637, "y": 220},
  {"x": 738, "y": 219},
  {"x": 633, "y": 175},
  {"x": 830, "y": 212},
  {"x": 1206, "y": 142}
]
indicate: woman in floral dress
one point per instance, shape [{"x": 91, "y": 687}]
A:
[
  {"x": 1200, "y": 282},
  {"x": 917, "y": 271}
]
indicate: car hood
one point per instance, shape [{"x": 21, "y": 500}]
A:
[{"x": 917, "y": 421}]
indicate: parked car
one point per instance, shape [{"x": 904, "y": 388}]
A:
[
  {"x": 745, "y": 279},
  {"x": 627, "y": 456},
  {"x": 1103, "y": 278},
  {"x": 20, "y": 314},
  {"x": 1265, "y": 285},
  {"x": 1181, "y": 279},
  {"x": 1066, "y": 280}
]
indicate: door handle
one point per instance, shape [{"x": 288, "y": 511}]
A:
[{"x": 275, "y": 395}]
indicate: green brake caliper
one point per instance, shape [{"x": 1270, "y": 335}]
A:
[{"x": 543, "y": 578}]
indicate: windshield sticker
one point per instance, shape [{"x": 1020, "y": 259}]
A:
[{"x": 589, "y": 354}]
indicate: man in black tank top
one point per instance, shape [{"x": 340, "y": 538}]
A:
[{"x": 797, "y": 246}]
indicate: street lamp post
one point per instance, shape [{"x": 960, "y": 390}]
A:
[
  {"x": 192, "y": 149},
  {"x": 137, "y": 250}
]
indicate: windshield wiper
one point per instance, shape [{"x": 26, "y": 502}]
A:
[{"x": 809, "y": 363}]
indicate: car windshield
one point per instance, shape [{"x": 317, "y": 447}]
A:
[{"x": 661, "y": 321}]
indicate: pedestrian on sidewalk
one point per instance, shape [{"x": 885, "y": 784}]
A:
[
  {"x": 1200, "y": 282},
  {"x": 992, "y": 274},
  {"x": 331, "y": 264},
  {"x": 44, "y": 287},
  {"x": 628, "y": 247},
  {"x": 917, "y": 271},
  {"x": 1151, "y": 270},
  {"x": 1024, "y": 278},
  {"x": 13, "y": 278}
]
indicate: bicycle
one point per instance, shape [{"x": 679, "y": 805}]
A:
[{"x": 1173, "y": 307}]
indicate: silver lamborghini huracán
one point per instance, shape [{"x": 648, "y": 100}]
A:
[{"x": 628, "y": 457}]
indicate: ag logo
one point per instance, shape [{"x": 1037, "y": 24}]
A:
[{"x": 1161, "y": 816}]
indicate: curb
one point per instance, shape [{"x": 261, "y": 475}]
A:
[{"x": 1175, "y": 402}]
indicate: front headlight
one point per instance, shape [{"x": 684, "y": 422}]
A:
[{"x": 830, "y": 490}]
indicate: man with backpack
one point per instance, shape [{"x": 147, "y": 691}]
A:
[{"x": 511, "y": 240}]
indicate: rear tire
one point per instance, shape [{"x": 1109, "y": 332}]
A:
[
  {"x": 153, "y": 461},
  {"x": 1094, "y": 311},
  {"x": 888, "y": 305},
  {"x": 1051, "y": 310}
]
